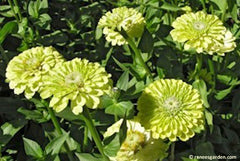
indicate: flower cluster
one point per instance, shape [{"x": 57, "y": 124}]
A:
[
  {"x": 25, "y": 71},
  {"x": 43, "y": 70},
  {"x": 121, "y": 18},
  {"x": 171, "y": 108},
  {"x": 77, "y": 80},
  {"x": 203, "y": 32},
  {"x": 138, "y": 144}
]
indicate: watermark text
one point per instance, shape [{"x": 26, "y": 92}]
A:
[{"x": 212, "y": 157}]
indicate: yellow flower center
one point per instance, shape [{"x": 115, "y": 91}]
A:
[
  {"x": 199, "y": 25},
  {"x": 33, "y": 64},
  {"x": 134, "y": 141},
  {"x": 74, "y": 78},
  {"x": 172, "y": 104}
]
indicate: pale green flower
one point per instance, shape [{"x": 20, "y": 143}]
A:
[
  {"x": 228, "y": 45},
  {"x": 78, "y": 81},
  {"x": 203, "y": 32},
  {"x": 127, "y": 18},
  {"x": 171, "y": 108},
  {"x": 25, "y": 71},
  {"x": 138, "y": 144}
]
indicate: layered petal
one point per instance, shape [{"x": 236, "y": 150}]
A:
[
  {"x": 138, "y": 144},
  {"x": 121, "y": 18},
  {"x": 202, "y": 32},
  {"x": 25, "y": 71},
  {"x": 77, "y": 81},
  {"x": 171, "y": 109}
]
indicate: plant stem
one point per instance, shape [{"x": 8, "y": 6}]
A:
[
  {"x": 59, "y": 131},
  {"x": 204, "y": 5},
  {"x": 85, "y": 139},
  {"x": 138, "y": 56},
  {"x": 18, "y": 9},
  {"x": 224, "y": 10},
  {"x": 88, "y": 120},
  {"x": 212, "y": 71},
  {"x": 12, "y": 8},
  {"x": 198, "y": 66},
  {"x": 172, "y": 157}
]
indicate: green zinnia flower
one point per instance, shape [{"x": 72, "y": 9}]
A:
[
  {"x": 78, "y": 81},
  {"x": 171, "y": 108},
  {"x": 227, "y": 46},
  {"x": 127, "y": 18},
  {"x": 138, "y": 144},
  {"x": 201, "y": 31},
  {"x": 25, "y": 71}
]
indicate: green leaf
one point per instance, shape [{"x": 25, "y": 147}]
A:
[
  {"x": 51, "y": 158},
  {"x": 122, "y": 82},
  {"x": 169, "y": 7},
  {"x": 200, "y": 85},
  {"x": 113, "y": 145},
  {"x": 89, "y": 157},
  {"x": 43, "y": 5},
  {"x": 38, "y": 103},
  {"x": 35, "y": 115},
  {"x": 138, "y": 70},
  {"x": 221, "y": 4},
  {"x": 9, "y": 129},
  {"x": 43, "y": 21},
  {"x": 5, "y": 10},
  {"x": 228, "y": 79},
  {"x": 55, "y": 145},
  {"x": 146, "y": 43},
  {"x": 67, "y": 114},
  {"x": 223, "y": 93},
  {"x": 108, "y": 55},
  {"x": 8, "y": 28},
  {"x": 107, "y": 101},
  {"x": 54, "y": 38},
  {"x": 33, "y": 9},
  {"x": 209, "y": 119},
  {"x": 121, "y": 109},
  {"x": 163, "y": 31},
  {"x": 123, "y": 131},
  {"x": 120, "y": 65},
  {"x": 98, "y": 33},
  {"x": 233, "y": 9},
  {"x": 32, "y": 148}
]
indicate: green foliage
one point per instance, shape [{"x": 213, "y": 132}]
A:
[
  {"x": 27, "y": 131},
  {"x": 32, "y": 148}
]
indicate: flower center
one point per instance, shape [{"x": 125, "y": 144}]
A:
[
  {"x": 172, "y": 103},
  {"x": 199, "y": 25},
  {"x": 74, "y": 78},
  {"x": 33, "y": 64},
  {"x": 134, "y": 141}
]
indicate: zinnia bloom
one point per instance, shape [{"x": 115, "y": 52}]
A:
[
  {"x": 227, "y": 46},
  {"x": 203, "y": 32},
  {"x": 171, "y": 108},
  {"x": 25, "y": 71},
  {"x": 138, "y": 144},
  {"x": 127, "y": 18},
  {"x": 78, "y": 81}
]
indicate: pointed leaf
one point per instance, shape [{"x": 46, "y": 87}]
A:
[
  {"x": 55, "y": 145},
  {"x": 32, "y": 148}
]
